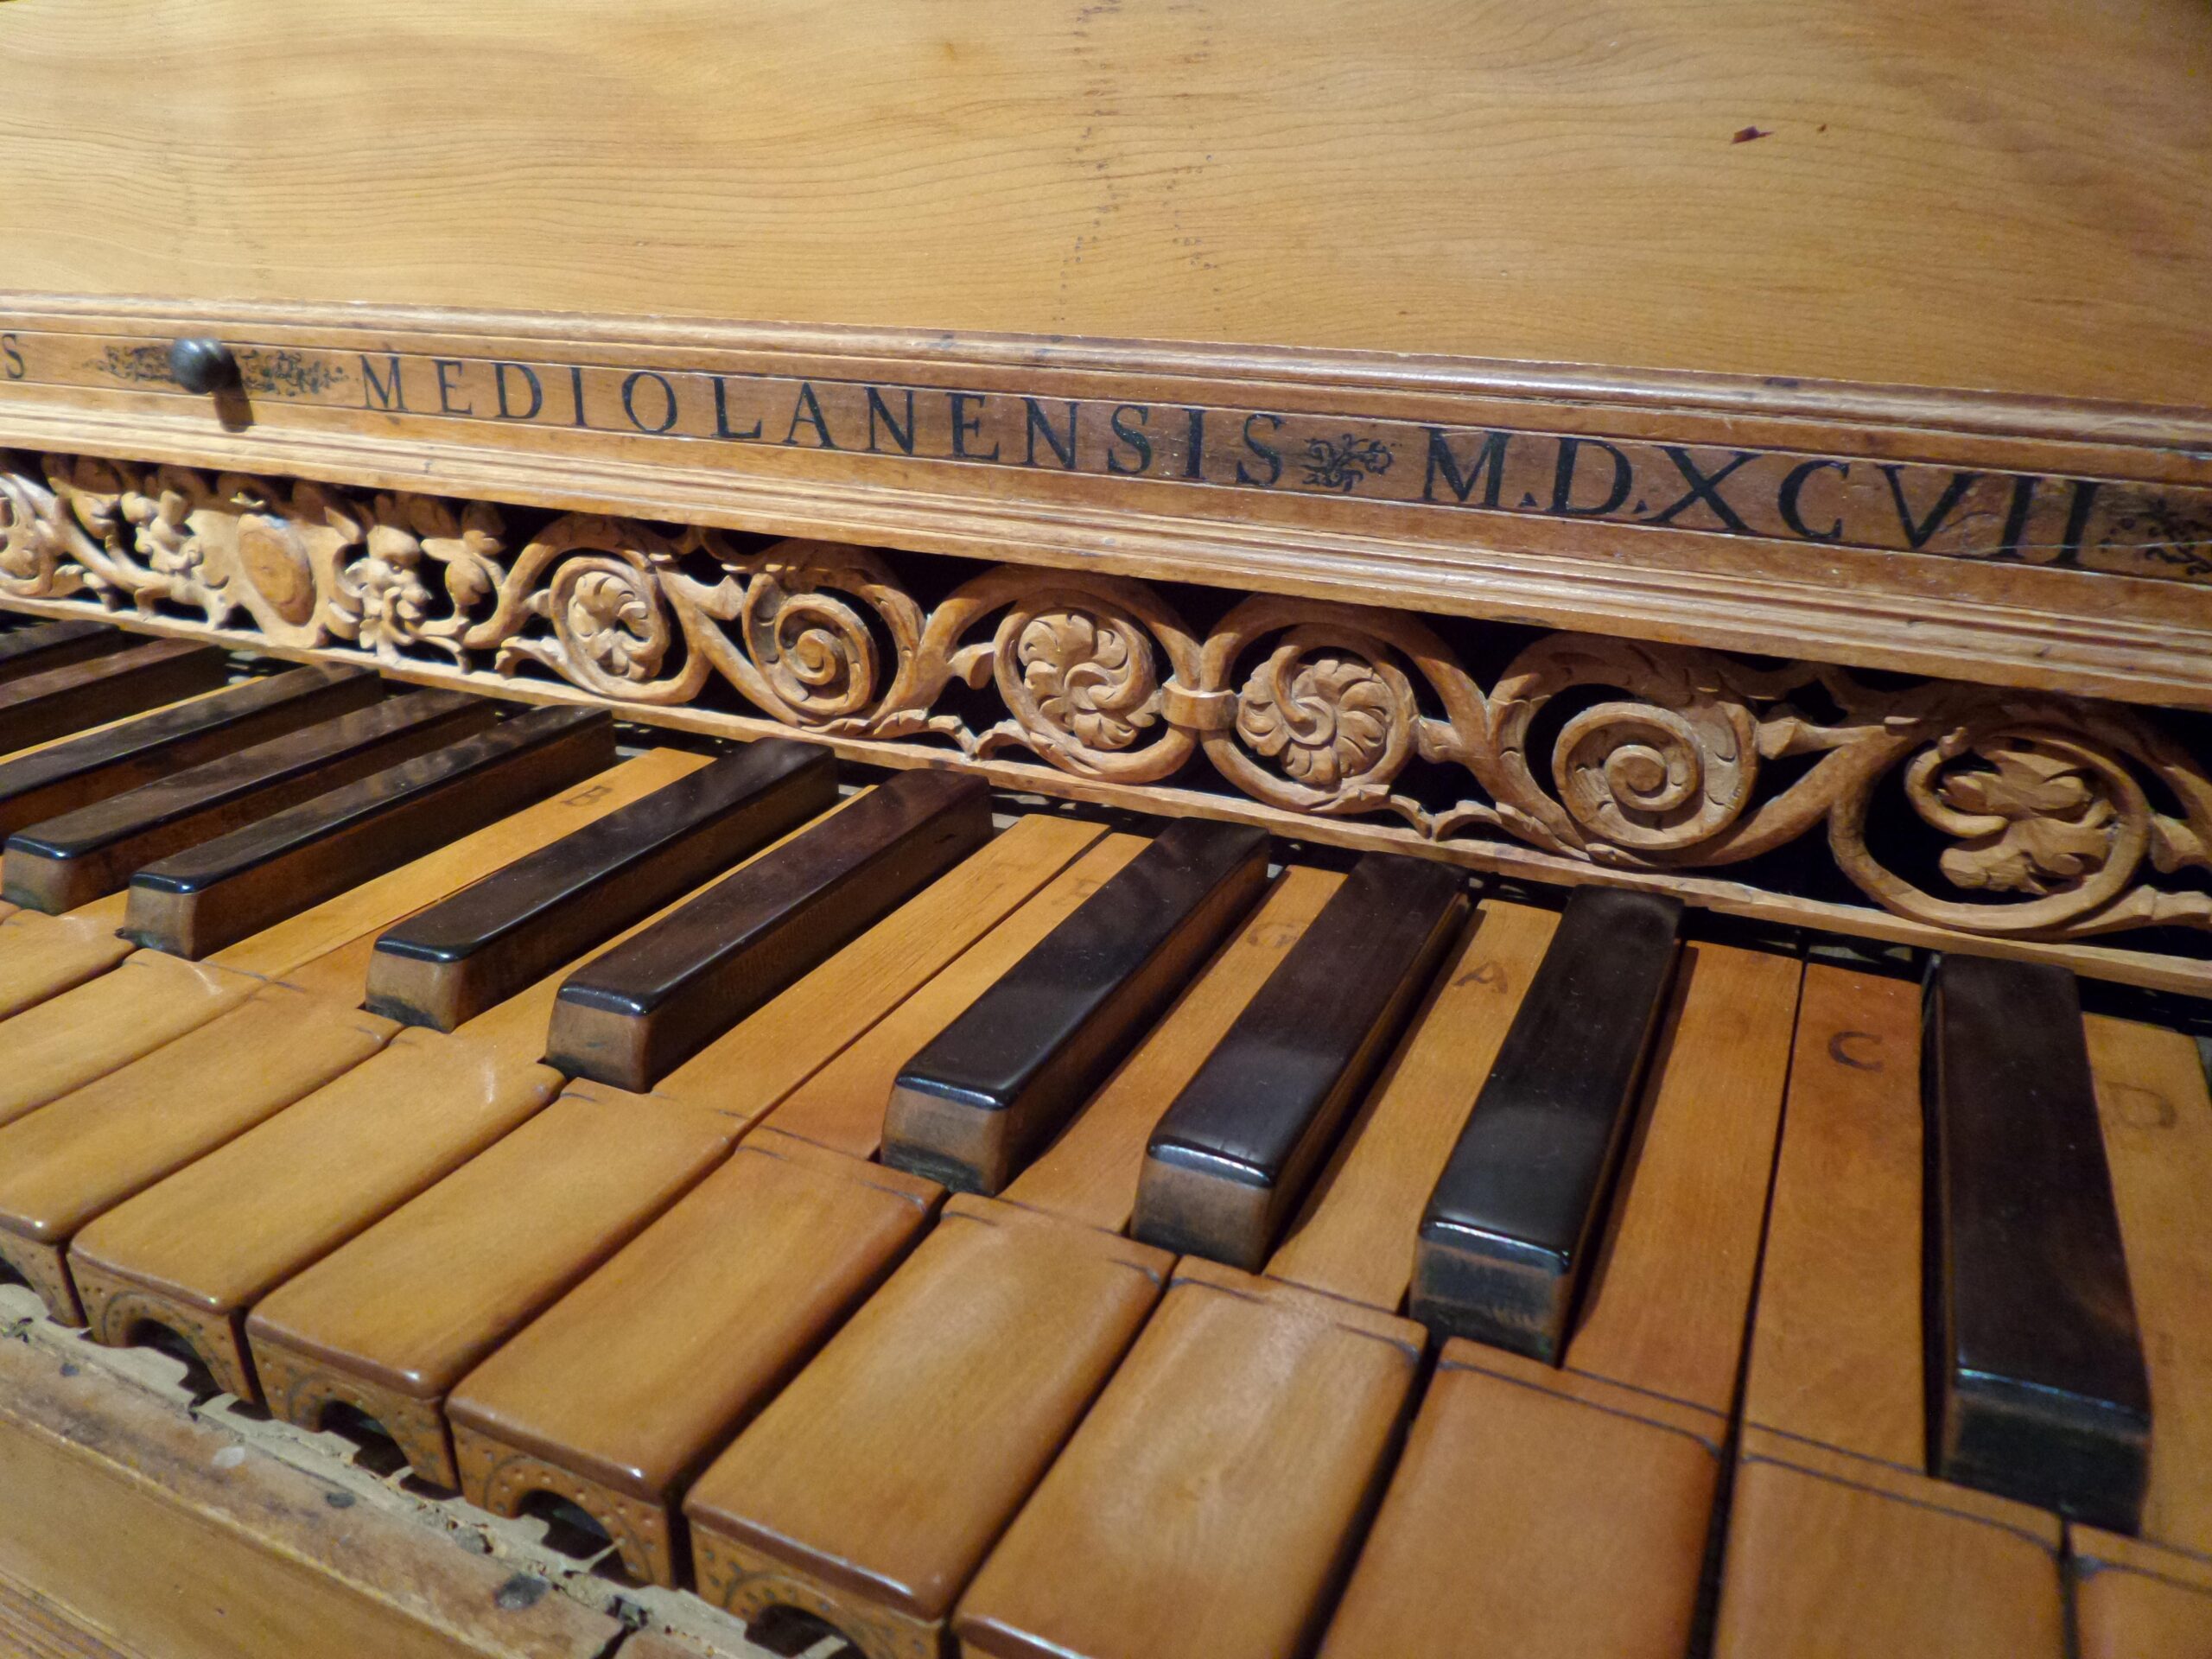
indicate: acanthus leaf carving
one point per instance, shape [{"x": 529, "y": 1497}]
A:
[{"x": 2055, "y": 818}]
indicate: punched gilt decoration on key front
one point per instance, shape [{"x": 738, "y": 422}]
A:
[{"x": 1989, "y": 811}]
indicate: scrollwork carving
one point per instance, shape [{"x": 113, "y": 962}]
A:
[{"x": 2041, "y": 817}]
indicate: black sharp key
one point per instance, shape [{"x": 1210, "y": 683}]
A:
[
  {"x": 451, "y": 962},
  {"x": 69, "y": 860},
  {"x": 1514, "y": 1218},
  {"x": 68, "y": 775},
  {"x": 634, "y": 1015},
  {"x": 994, "y": 1086},
  {"x": 2036, "y": 1361},
  {"x": 53, "y": 703},
  {"x": 219, "y": 891},
  {"x": 51, "y": 644},
  {"x": 1232, "y": 1155}
]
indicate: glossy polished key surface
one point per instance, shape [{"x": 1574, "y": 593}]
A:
[
  {"x": 389, "y": 1321},
  {"x": 880, "y": 1477},
  {"x": 53, "y": 701},
  {"x": 106, "y": 1139},
  {"x": 989, "y": 1089},
  {"x": 1235, "y": 1150},
  {"x": 43, "y": 645},
  {"x": 1552, "y": 1512},
  {"x": 455, "y": 959},
  {"x": 66, "y": 860},
  {"x": 2041, "y": 1389},
  {"x": 1504, "y": 1241},
  {"x": 219, "y": 892},
  {"x": 1832, "y": 1528},
  {"x": 68, "y": 775},
  {"x": 641, "y": 1010}
]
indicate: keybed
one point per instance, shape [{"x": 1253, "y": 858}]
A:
[{"x": 1014, "y": 1232}]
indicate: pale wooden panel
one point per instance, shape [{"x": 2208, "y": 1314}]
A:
[
  {"x": 33, "y": 1628},
  {"x": 2018, "y": 200},
  {"x": 1665, "y": 1310},
  {"x": 2151, "y": 1101},
  {"x": 1836, "y": 1346},
  {"x": 1355, "y": 1238},
  {"x": 116, "y": 1506}
]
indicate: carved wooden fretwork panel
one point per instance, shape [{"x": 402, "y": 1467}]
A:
[{"x": 2052, "y": 818}]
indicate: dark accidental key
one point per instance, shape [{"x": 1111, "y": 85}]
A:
[
  {"x": 49, "y": 645},
  {"x": 2036, "y": 1363},
  {"x": 217, "y": 891},
  {"x": 994, "y": 1086},
  {"x": 630, "y": 1017},
  {"x": 451, "y": 962},
  {"x": 53, "y": 703},
  {"x": 81, "y": 770},
  {"x": 63, "y": 862},
  {"x": 1515, "y": 1216},
  {"x": 1232, "y": 1155}
]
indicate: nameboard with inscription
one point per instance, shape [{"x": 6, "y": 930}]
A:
[{"x": 1895, "y": 529}]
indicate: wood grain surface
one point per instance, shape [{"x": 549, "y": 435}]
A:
[
  {"x": 92, "y": 1029},
  {"x": 388, "y": 1322},
  {"x": 2156, "y": 1118},
  {"x": 1834, "y": 1526},
  {"x": 1539, "y": 1514},
  {"x": 962, "y": 1378},
  {"x": 197, "y": 1249},
  {"x": 1213, "y": 1494},
  {"x": 1670, "y": 1293},
  {"x": 43, "y": 956},
  {"x": 1836, "y": 1341},
  {"x": 117, "y": 1135},
  {"x": 883, "y": 1474},
  {"x": 1559, "y": 1511},
  {"x": 632, "y": 1381},
  {"x": 1869, "y": 1562},
  {"x": 1926, "y": 200},
  {"x": 2132, "y": 1600}
]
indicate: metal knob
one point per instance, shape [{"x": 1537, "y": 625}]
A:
[{"x": 201, "y": 363}]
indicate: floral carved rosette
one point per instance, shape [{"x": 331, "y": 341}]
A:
[{"x": 2030, "y": 816}]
